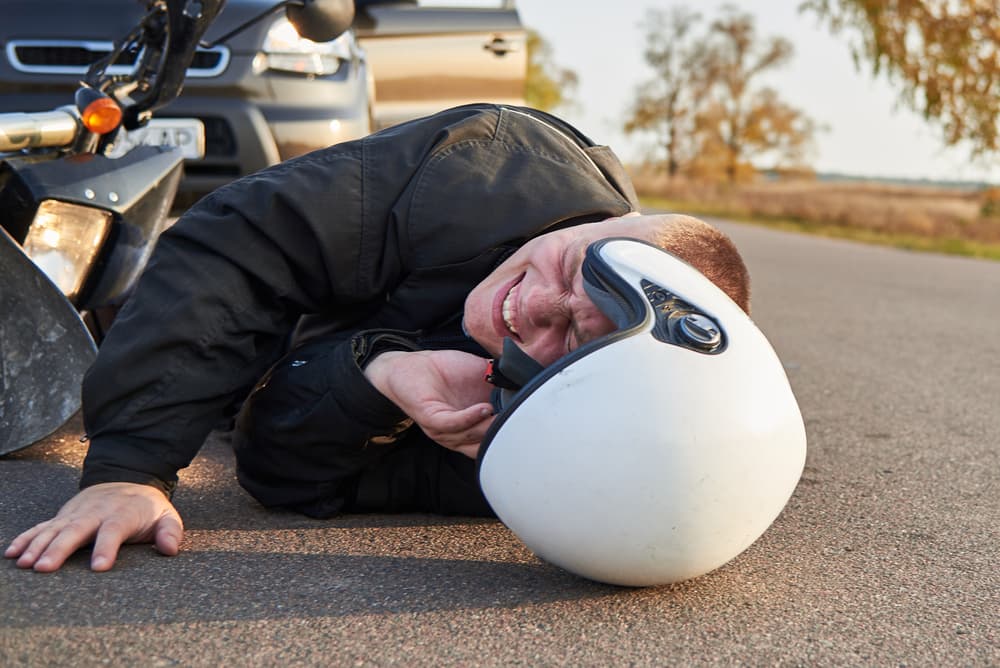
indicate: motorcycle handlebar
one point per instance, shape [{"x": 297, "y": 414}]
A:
[{"x": 44, "y": 129}]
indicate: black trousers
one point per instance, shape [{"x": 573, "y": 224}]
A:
[{"x": 292, "y": 452}]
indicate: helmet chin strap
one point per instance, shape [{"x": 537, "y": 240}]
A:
[{"x": 512, "y": 371}]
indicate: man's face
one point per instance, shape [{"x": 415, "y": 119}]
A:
[{"x": 536, "y": 296}]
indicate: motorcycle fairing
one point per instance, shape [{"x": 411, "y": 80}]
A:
[
  {"x": 143, "y": 183},
  {"x": 44, "y": 351}
]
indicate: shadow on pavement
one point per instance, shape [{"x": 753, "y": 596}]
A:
[
  {"x": 216, "y": 586},
  {"x": 240, "y": 561}
]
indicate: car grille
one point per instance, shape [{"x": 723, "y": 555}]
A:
[{"x": 74, "y": 57}]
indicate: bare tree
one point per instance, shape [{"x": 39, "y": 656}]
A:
[
  {"x": 744, "y": 122},
  {"x": 703, "y": 105},
  {"x": 665, "y": 105}
]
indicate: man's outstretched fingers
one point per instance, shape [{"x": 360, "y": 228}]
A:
[
  {"x": 34, "y": 544},
  {"x": 19, "y": 544},
  {"x": 53, "y": 546},
  {"x": 109, "y": 514}
]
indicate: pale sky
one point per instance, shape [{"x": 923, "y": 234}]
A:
[{"x": 868, "y": 134}]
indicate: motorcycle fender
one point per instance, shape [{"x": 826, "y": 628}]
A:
[{"x": 44, "y": 351}]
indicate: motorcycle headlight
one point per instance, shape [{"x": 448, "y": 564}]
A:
[
  {"x": 64, "y": 240},
  {"x": 284, "y": 50}
]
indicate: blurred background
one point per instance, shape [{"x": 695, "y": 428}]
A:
[
  {"x": 864, "y": 129},
  {"x": 866, "y": 119},
  {"x": 870, "y": 120}
]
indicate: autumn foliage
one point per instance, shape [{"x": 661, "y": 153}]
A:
[
  {"x": 945, "y": 54},
  {"x": 703, "y": 107}
]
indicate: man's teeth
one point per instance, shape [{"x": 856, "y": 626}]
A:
[{"x": 507, "y": 312}]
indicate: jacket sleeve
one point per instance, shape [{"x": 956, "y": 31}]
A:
[
  {"x": 215, "y": 307},
  {"x": 387, "y": 232},
  {"x": 313, "y": 422}
]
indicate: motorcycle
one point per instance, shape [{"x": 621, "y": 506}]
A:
[{"x": 81, "y": 208}]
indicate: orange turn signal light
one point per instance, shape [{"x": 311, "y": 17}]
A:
[{"x": 101, "y": 116}]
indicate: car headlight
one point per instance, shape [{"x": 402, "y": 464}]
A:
[
  {"x": 64, "y": 240},
  {"x": 284, "y": 50}
]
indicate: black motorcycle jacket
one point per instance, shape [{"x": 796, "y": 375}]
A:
[{"x": 387, "y": 232}]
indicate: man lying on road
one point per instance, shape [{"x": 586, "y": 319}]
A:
[{"x": 346, "y": 302}]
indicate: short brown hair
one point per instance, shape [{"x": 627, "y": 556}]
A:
[{"x": 707, "y": 249}]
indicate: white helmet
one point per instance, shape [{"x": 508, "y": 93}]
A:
[{"x": 658, "y": 452}]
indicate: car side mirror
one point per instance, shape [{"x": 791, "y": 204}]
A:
[{"x": 321, "y": 20}]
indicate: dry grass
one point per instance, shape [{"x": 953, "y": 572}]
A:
[{"x": 927, "y": 218}]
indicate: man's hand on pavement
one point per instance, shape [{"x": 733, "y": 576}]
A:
[
  {"x": 443, "y": 391},
  {"x": 109, "y": 515}
]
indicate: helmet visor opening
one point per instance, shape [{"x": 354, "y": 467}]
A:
[{"x": 609, "y": 290}]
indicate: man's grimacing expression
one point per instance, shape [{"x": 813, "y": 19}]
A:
[{"x": 536, "y": 296}]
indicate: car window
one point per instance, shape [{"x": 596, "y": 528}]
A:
[{"x": 436, "y": 54}]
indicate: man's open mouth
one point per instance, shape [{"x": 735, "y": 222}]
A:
[
  {"x": 505, "y": 314},
  {"x": 507, "y": 310}
]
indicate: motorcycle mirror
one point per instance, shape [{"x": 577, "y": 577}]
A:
[{"x": 321, "y": 20}]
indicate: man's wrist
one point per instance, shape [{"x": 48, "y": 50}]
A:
[
  {"x": 91, "y": 478},
  {"x": 378, "y": 369}
]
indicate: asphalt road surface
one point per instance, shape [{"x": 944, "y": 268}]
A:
[{"x": 886, "y": 555}]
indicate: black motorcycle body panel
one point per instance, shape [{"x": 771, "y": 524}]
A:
[{"x": 137, "y": 188}]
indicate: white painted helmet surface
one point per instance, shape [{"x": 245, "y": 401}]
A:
[{"x": 658, "y": 452}]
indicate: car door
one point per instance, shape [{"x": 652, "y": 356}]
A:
[{"x": 436, "y": 54}]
